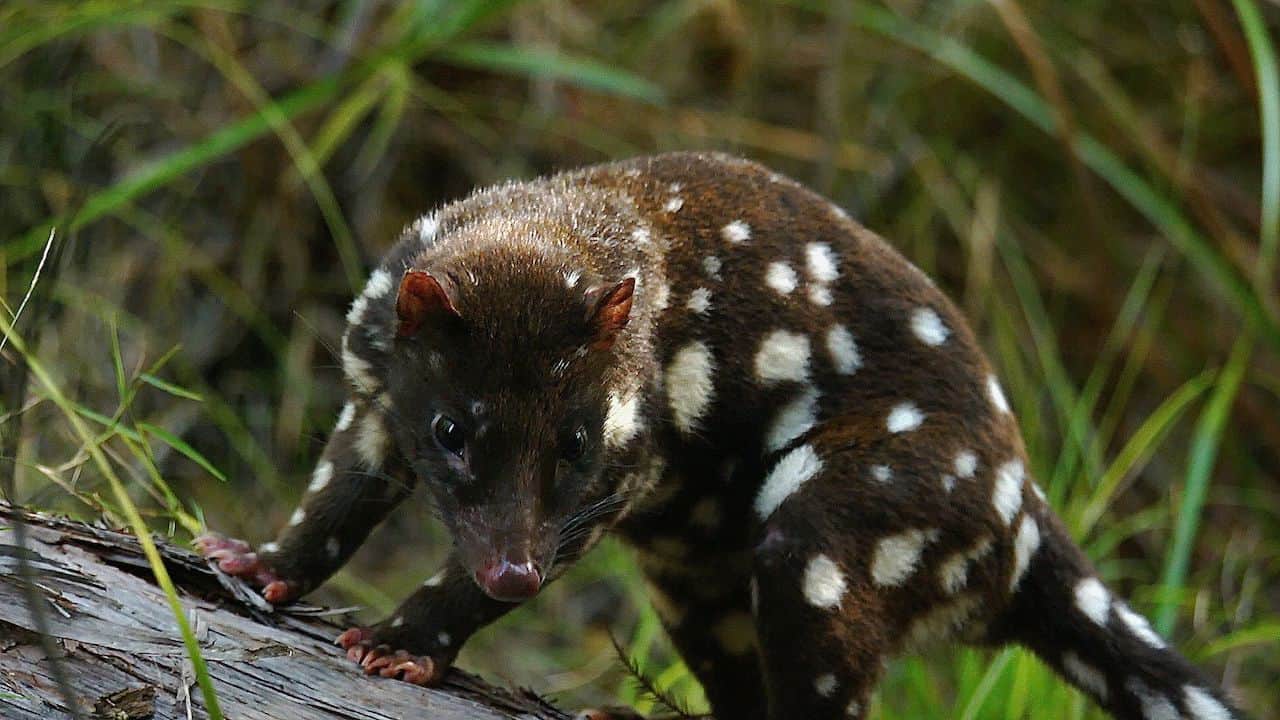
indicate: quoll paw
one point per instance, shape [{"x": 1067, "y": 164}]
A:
[
  {"x": 237, "y": 558},
  {"x": 377, "y": 658}
]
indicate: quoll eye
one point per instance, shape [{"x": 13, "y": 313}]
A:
[
  {"x": 572, "y": 446},
  {"x": 449, "y": 434}
]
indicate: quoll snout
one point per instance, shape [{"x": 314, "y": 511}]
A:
[{"x": 509, "y": 581}]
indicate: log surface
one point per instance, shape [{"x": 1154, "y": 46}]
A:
[{"x": 123, "y": 655}]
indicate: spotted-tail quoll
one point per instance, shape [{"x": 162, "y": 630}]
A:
[{"x": 790, "y": 423}]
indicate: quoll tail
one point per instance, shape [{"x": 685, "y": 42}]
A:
[{"x": 1063, "y": 613}]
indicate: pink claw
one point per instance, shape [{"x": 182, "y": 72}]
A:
[{"x": 381, "y": 660}]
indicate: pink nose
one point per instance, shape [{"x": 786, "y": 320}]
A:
[{"x": 508, "y": 581}]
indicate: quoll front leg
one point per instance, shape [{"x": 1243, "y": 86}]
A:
[
  {"x": 419, "y": 641},
  {"x": 357, "y": 481}
]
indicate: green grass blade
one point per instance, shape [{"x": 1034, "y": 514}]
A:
[
  {"x": 1267, "y": 633},
  {"x": 1264, "y": 67},
  {"x": 181, "y": 446},
  {"x": 1204, "y": 451},
  {"x": 1209, "y": 431},
  {"x": 1158, "y": 208},
  {"x": 1141, "y": 446},
  {"x": 136, "y": 523},
  {"x": 157, "y": 174},
  {"x": 541, "y": 64},
  {"x": 166, "y": 386}
]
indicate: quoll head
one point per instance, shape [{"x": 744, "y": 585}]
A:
[{"x": 499, "y": 377}]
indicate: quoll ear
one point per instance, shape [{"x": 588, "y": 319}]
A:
[
  {"x": 610, "y": 309},
  {"x": 421, "y": 296}
]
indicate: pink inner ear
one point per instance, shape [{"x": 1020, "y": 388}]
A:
[
  {"x": 612, "y": 312},
  {"x": 420, "y": 297}
]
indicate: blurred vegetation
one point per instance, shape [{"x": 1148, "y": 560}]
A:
[{"x": 1098, "y": 183}]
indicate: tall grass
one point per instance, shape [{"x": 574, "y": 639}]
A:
[{"x": 1099, "y": 182}]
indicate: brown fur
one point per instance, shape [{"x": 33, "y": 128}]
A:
[{"x": 638, "y": 305}]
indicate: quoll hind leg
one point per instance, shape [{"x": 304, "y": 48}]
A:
[
  {"x": 822, "y": 632},
  {"x": 711, "y": 625}
]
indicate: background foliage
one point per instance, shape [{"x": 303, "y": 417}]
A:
[{"x": 1097, "y": 182}]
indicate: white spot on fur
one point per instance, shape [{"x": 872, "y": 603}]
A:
[
  {"x": 996, "y": 393},
  {"x": 358, "y": 371},
  {"x": 1007, "y": 496},
  {"x": 1093, "y": 599},
  {"x": 1138, "y": 625},
  {"x": 854, "y": 708},
  {"x": 820, "y": 295},
  {"x": 1085, "y": 675},
  {"x": 736, "y": 232},
  {"x": 297, "y": 517},
  {"x": 844, "y": 350},
  {"x": 954, "y": 572},
  {"x": 355, "y": 315},
  {"x": 270, "y": 547},
  {"x": 398, "y": 621},
  {"x": 736, "y": 633},
  {"x": 371, "y": 440},
  {"x": 1155, "y": 706},
  {"x": 571, "y": 278},
  {"x": 437, "y": 579},
  {"x": 321, "y": 476},
  {"x": 674, "y": 204},
  {"x": 928, "y": 327},
  {"x": 621, "y": 420},
  {"x": 1025, "y": 545},
  {"x": 345, "y": 417},
  {"x": 425, "y": 228},
  {"x": 896, "y": 556},
  {"x": 966, "y": 464},
  {"x": 882, "y": 473},
  {"x": 1204, "y": 706},
  {"x": 699, "y": 300},
  {"x": 825, "y": 685},
  {"x": 661, "y": 296},
  {"x": 786, "y": 477},
  {"x": 783, "y": 355},
  {"x": 904, "y": 417},
  {"x": 824, "y": 584},
  {"x": 711, "y": 266},
  {"x": 943, "y": 621},
  {"x": 689, "y": 384},
  {"x": 821, "y": 262},
  {"x": 641, "y": 236},
  {"x": 379, "y": 284},
  {"x": 332, "y": 547},
  {"x": 822, "y": 267},
  {"x": 444, "y": 639},
  {"x": 781, "y": 277},
  {"x": 795, "y": 419}
]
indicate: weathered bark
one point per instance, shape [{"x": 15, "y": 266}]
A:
[{"x": 124, "y": 657}]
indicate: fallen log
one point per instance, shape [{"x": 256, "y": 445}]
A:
[{"x": 122, "y": 656}]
